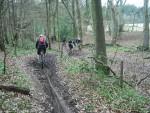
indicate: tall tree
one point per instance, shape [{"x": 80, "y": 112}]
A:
[
  {"x": 47, "y": 2},
  {"x": 115, "y": 9},
  {"x": 120, "y": 4},
  {"x": 88, "y": 11},
  {"x": 114, "y": 29},
  {"x": 14, "y": 32},
  {"x": 79, "y": 19},
  {"x": 2, "y": 45},
  {"x": 74, "y": 19},
  {"x": 99, "y": 31},
  {"x": 146, "y": 26},
  {"x": 2, "y": 31}
]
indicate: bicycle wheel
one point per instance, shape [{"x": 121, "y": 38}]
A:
[{"x": 42, "y": 59}]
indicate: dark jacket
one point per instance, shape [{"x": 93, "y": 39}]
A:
[{"x": 39, "y": 46}]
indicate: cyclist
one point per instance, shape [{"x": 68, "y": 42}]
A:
[{"x": 41, "y": 44}]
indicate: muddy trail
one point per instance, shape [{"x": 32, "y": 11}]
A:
[{"x": 49, "y": 92}]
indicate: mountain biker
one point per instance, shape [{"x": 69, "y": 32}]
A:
[{"x": 41, "y": 44}]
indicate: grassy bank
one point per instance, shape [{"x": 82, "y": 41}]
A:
[
  {"x": 13, "y": 102},
  {"x": 107, "y": 88}
]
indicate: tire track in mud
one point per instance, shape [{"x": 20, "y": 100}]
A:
[{"x": 57, "y": 92}]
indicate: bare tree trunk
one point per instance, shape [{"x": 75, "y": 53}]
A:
[
  {"x": 6, "y": 26},
  {"x": 21, "y": 19},
  {"x": 24, "y": 91},
  {"x": 114, "y": 22},
  {"x": 55, "y": 20},
  {"x": 87, "y": 5},
  {"x": 3, "y": 41},
  {"x": 120, "y": 14},
  {"x": 146, "y": 26},
  {"x": 99, "y": 31},
  {"x": 133, "y": 22},
  {"x": 3, "y": 33},
  {"x": 1, "y": 36},
  {"x": 108, "y": 16},
  {"x": 88, "y": 11},
  {"x": 15, "y": 34},
  {"x": 74, "y": 19},
  {"x": 48, "y": 22},
  {"x": 58, "y": 32},
  {"x": 2, "y": 45},
  {"x": 10, "y": 22},
  {"x": 114, "y": 27},
  {"x": 50, "y": 28},
  {"x": 16, "y": 43},
  {"x": 54, "y": 25},
  {"x": 4, "y": 60},
  {"x": 79, "y": 20}
]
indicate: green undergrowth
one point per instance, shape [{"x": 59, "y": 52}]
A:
[
  {"x": 76, "y": 66},
  {"x": 13, "y": 102},
  {"x": 20, "y": 80},
  {"x": 121, "y": 49},
  {"x": 124, "y": 99},
  {"x": 20, "y": 51},
  {"x": 26, "y": 52}
]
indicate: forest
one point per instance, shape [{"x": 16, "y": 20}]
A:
[{"x": 74, "y": 56}]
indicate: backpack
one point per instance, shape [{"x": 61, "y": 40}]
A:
[{"x": 42, "y": 40}]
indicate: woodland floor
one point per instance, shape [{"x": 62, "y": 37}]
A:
[
  {"x": 136, "y": 63},
  {"x": 136, "y": 67},
  {"x": 70, "y": 88}
]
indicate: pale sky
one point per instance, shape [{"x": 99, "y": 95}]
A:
[{"x": 138, "y": 3}]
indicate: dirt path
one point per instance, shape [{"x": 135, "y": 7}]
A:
[
  {"x": 50, "y": 94},
  {"x": 37, "y": 91}
]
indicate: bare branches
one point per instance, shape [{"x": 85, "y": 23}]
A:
[
  {"x": 109, "y": 68},
  {"x": 1, "y": 6},
  {"x": 143, "y": 80},
  {"x": 67, "y": 9},
  {"x": 24, "y": 26},
  {"x": 55, "y": 10},
  {"x": 117, "y": 2},
  {"x": 120, "y": 2},
  {"x": 124, "y": 2}
]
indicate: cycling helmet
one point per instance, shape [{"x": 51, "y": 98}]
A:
[{"x": 41, "y": 35}]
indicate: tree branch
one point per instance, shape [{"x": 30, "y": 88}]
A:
[
  {"x": 67, "y": 9},
  {"x": 110, "y": 70},
  {"x": 143, "y": 80},
  {"x": 124, "y": 2},
  {"x": 24, "y": 91}
]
